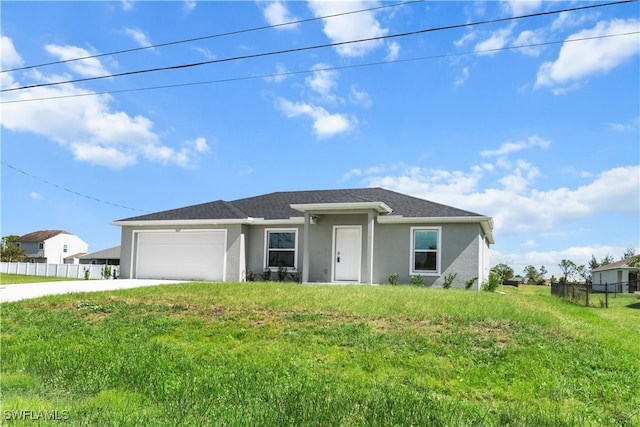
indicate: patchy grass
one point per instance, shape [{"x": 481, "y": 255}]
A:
[
  {"x": 12, "y": 279},
  {"x": 288, "y": 355}
]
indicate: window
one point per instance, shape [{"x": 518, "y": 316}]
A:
[
  {"x": 425, "y": 250},
  {"x": 64, "y": 249},
  {"x": 281, "y": 248},
  {"x": 41, "y": 245}
]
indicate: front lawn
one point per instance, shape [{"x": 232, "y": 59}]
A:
[
  {"x": 281, "y": 354},
  {"x": 10, "y": 279}
]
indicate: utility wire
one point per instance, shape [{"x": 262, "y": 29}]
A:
[
  {"x": 70, "y": 191},
  {"x": 258, "y": 55},
  {"x": 230, "y": 33},
  {"x": 344, "y": 67}
]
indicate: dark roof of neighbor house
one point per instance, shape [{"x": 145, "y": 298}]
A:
[
  {"x": 614, "y": 265},
  {"x": 110, "y": 253},
  {"x": 278, "y": 205},
  {"x": 40, "y": 236}
]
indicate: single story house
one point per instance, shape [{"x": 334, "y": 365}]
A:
[
  {"x": 619, "y": 273},
  {"x": 52, "y": 246},
  {"x": 110, "y": 256},
  {"x": 326, "y": 236}
]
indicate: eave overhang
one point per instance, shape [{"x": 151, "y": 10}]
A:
[
  {"x": 207, "y": 222},
  {"x": 379, "y": 207}
]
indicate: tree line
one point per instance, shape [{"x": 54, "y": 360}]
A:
[{"x": 571, "y": 272}]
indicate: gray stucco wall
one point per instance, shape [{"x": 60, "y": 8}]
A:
[{"x": 460, "y": 245}]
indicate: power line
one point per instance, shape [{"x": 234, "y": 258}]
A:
[
  {"x": 69, "y": 190},
  {"x": 290, "y": 73},
  {"x": 230, "y": 33},
  {"x": 258, "y": 55}
]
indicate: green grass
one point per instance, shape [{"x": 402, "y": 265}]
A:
[
  {"x": 289, "y": 355},
  {"x": 10, "y": 279}
]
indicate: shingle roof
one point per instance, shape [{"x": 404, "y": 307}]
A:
[
  {"x": 111, "y": 253},
  {"x": 278, "y": 205},
  {"x": 40, "y": 236},
  {"x": 614, "y": 265}
]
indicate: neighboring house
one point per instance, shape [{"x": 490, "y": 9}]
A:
[
  {"x": 619, "y": 273},
  {"x": 109, "y": 256},
  {"x": 51, "y": 246},
  {"x": 327, "y": 236}
]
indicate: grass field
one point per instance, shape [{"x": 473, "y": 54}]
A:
[
  {"x": 12, "y": 279},
  {"x": 281, "y": 354}
]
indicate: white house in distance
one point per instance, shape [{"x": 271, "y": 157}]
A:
[
  {"x": 619, "y": 273},
  {"x": 52, "y": 247}
]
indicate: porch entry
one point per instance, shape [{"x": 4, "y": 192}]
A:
[{"x": 347, "y": 249}]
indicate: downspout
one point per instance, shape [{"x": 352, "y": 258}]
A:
[
  {"x": 370, "y": 237},
  {"x": 305, "y": 248}
]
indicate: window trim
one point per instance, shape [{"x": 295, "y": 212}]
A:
[
  {"x": 265, "y": 259},
  {"x": 438, "y": 251}
]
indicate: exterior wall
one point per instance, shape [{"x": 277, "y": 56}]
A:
[
  {"x": 612, "y": 276},
  {"x": 464, "y": 250},
  {"x": 53, "y": 251},
  {"x": 233, "y": 260},
  {"x": 255, "y": 246},
  {"x": 321, "y": 245},
  {"x": 460, "y": 253}
]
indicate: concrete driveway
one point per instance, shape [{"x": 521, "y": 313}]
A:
[{"x": 17, "y": 292}]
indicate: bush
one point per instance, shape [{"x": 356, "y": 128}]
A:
[
  {"x": 491, "y": 284},
  {"x": 417, "y": 280},
  {"x": 266, "y": 274},
  {"x": 250, "y": 276},
  {"x": 282, "y": 272},
  {"x": 448, "y": 280},
  {"x": 468, "y": 284},
  {"x": 394, "y": 279}
]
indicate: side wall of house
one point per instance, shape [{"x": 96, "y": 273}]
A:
[{"x": 460, "y": 253}]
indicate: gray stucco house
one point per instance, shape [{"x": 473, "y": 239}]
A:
[{"x": 328, "y": 236}]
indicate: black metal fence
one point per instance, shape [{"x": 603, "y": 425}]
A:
[{"x": 580, "y": 293}]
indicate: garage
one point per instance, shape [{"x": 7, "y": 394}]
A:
[{"x": 181, "y": 254}]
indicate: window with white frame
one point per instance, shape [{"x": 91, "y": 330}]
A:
[
  {"x": 281, "y": 248},
  {"x": 64, "y": 249},
  {"x": 425, "y": 250}
]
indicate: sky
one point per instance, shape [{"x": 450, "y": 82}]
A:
[{"x": 534, "y": 121}]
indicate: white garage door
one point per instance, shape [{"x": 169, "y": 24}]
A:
[{"x": 184, "y": 255}]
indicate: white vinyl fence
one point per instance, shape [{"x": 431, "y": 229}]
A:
[{"x": 72, "y": 271}]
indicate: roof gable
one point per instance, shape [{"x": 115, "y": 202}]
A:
[{"x": 614, "y": 265}]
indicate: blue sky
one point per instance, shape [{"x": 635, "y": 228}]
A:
[{"x": 511, "y": 119}]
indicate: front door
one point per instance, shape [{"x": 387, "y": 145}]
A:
[{"x": 347, "y": 248}]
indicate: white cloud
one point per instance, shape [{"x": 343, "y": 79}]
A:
[
  {"x": 514, "y": 203},
  {"x": 605, "y": 54},
  {"x": 10, "y": 57},
  {"x": 90, "y": 128},
  {"x": 529, "y": 37},
  {"x": 279, "y": 76},
  {"x": 523, "y": 7},
  {"x": 346, "y": 28},
  {"x": 325, "y": 124},
  {"x": 323, "y": 82},
  {"x": 462, "y": 78},
  {"x": 138, "y": 36},
  {"x": 189, "y": 5},
  {"x": 465, "y": 39},
  {"x": 206, "y": 53},
  {"x": 35, "y": 195},
  {"x": 276, "y": 13},
  {"x": 360, "y": 98},
  {"x": 393, "y": 51},
  {"x": 127, "y": 5},
  {"x": 90, "y": 67},
  {"x": 497, "y": 40},
  {"x": 512, "y": 147}
]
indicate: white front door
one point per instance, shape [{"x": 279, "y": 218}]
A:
[{"x": 347, "y": 248}]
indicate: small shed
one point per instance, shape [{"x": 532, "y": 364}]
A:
[{"x": 620, "y": 274}]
